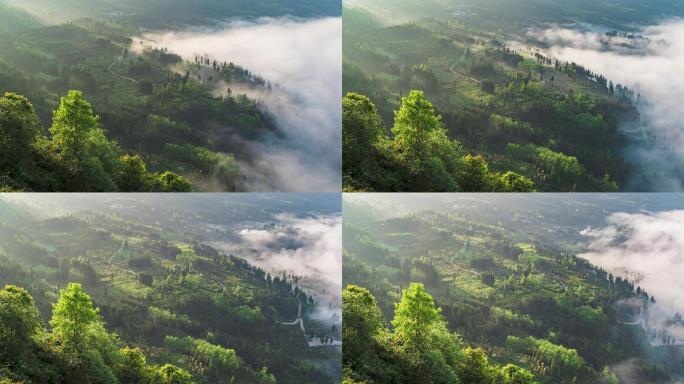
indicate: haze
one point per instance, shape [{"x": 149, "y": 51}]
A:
[
  {"x": 653, "y": 69},
  {"x": 304, "y": 58},
  {"x": 648, "y": 248}
]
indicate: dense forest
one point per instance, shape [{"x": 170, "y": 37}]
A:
[
  {"x": 76, "y": 157},
  {"x": 470, "y": 291},
  {"x": 509, "y": 117},
  {"x": 99, "y": 297},
  {"x": 78, "y": 349},
  {"x": 168, "y": 123}
]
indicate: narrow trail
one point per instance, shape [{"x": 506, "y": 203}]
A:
[
  {"x": 463, "y": 250},
  {"x": 113, "y": 72},
  {"x": 315, "y": 342},
  {"x": 641, "y": 321},
  {"x": 459, "y": 74},
  {"x": 474, "y": 272},
  {"x": 111, "y": 262},
  {"x": 559, "y": 281},
  {"x": 217, "y": 281}
]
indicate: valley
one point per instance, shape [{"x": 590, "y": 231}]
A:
[
  {"x": 566, "y": 287},
  {"x": 163, "y": 290}
]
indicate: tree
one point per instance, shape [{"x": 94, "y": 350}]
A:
[
  {"x": 146, "y": 279},
  {"x": 413, "y": 123},
  {"x": 415, "y": 315},
  {"x": 488, "y": 86},
  {"x": 475, "y": 367},
  {"x": 266, "y": 377},
  {"x": 608, "y": 377},
  {"x": 488, "y": 278},
  {"x": 170, "y": 182},
  {"x": 430, "y": 352},
  {"x": 362, "y": 322},
  {"x": 132, "y": 174},
  {"x": 19, "y": 322},
  {"x": 133, "y": 367},
  {"x": 513, "y": 182},
  {"x": 73, "y": 315},
  {"x": 421, "y": 146},
  {"x": 170, "y": 374},
  {"x": 361, "y": 130},
  {"x": 80, "y": 143},
  {"x": 90, "y": 352},
  {"x": 19, "y": 129},
  {"x": 473, "y": 176},
  {"x": 73, "y": 123},
  {"x": 515, "y": 375},
  {"x": 146, "y": 87}
]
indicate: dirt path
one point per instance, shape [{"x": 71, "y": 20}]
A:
[
  {"x": 111, "y": 69},
  {"x": 474, "y": 272},
  {"x": 641, "y": 321},
  {"x": 464, "y": 76},
  {"x": 314, "y": 342},
  {"x": 111, "y": 262}
]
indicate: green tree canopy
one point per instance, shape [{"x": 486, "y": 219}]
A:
[
  {"x": 132, "y": 175},
  {"x": 73, "y": 315},
  {"x": 170, "y": 374},
  {"x": 19, "y": 129},
  {"x": 80, "y": 142},
  {"x": 362, "y": 321},
  {"x": 429, "y": 350},
  {"x": 19, "y": 322},
  {"x": 361, "y": 130},
  {"x": 422, "y": 146},
  {"x": 415, "y": 315},
  {"x": 414, "y": 124},
  {"x": 170, "y": 182}
]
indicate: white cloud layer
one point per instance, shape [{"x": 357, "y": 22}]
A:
[
  {"x": 308, "y": 247},
  {"x": 647, "y": 248},
  {"x": 304, "y": 57},
  {"x": 654, "y": 67}
]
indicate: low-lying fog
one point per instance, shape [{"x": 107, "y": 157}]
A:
[
  {"x": 653, "y": 66},
  {"x": 309, "y": 247},
  {"x": 304, "y": 57},
  {"x": 295, "y": 234},
  {"x": 647, "y": 248}
]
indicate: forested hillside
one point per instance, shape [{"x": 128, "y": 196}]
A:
[
  {"x": 511, "y": 15},
  {"x": 104, "y": 298},
  {"x": 481, "y": 295},
  {"x": 167, "y": 13},
  {"x": 505, "y": 108},
  {"x": 152, "y": 111}
]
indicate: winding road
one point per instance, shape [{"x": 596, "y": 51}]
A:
[
  {"x": 451, "y": 69},
  {"x": 642, "y": 322},
  {"x": 315, "y": 342},
  {"x": 111, "y": 69}
]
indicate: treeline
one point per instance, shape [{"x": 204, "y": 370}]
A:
[
  {"x": 77, "y": 348},
  {"x": 573, "y": 69},
  {"x": 417, "y": 156},
  {"x": 230, "y": 71},
  {"x": 493, "y": 97},
  {"x": 175, "y": 122},
  {"x": 417, "y": 349},
  {"x": 550, "y": 312},
  {"x": 210, "y": 313},
  {"x": 75, "y": 156}
]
